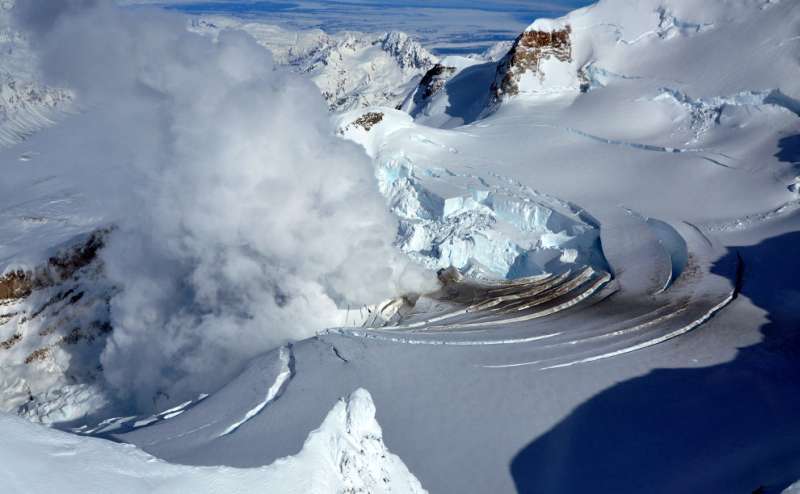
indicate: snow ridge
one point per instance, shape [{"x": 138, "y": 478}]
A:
[
  {"x": 357, "y": 448},
  {"x": 287, "y": 370},
  {"x": 408, "y": 53},
  {"x": 346, "y": 455}
]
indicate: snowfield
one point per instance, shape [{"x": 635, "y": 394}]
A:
[
  {"x": 345, "y": 454},
  {"x": 565, "y": 265}
]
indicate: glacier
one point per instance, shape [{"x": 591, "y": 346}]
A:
[
  {"x": 487, "y": 226},
  {"x": 606, "y": 209}
]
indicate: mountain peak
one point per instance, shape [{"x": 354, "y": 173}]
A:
[
  {"x": 542, "y": 51},
  {"x": 408, "y": 52}
]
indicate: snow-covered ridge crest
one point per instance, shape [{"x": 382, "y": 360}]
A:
[
  {"x": 408, "y": 53},
  {"x": 346, "y": 454},
  {"x": 545, "y": 25},
  {"x": 352, "y": 437}
]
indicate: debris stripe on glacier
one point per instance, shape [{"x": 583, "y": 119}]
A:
[{"x": 674, "y": 334}]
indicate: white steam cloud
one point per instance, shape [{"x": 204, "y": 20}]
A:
[{"x": 243, "y": 221}]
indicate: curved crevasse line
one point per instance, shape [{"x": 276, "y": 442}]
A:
[
  {"x": 678, "y": 332},
  {"x": 744, "y": 222},
  {"x": 548, "y": 284},
  {"x": 408, "y": 341},
  {"x": 693, "y": 324},
  {"x": 652, "y": 147},
  {"x": 593, "y": 288},
  {"x": 645, "y": 147},
  {"x": 629, "y": 330},
  {"x": 675, "y": 246},
  {"x": 286, "y": 373}
]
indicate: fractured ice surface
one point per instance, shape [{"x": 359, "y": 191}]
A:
[
  {"x": 704, "y": 113},
  {"x": 487, "y": 227}
]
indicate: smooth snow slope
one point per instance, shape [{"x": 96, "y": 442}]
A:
[{"x": 345, "y": 454}]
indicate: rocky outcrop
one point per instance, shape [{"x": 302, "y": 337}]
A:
[
  {"x": 429, "y": 86},
  {"x": 20, "y": 283},
  {"x": 54, "y": 320},
  {"x": 434, "y": 80},
  {"x": 541, "y": 61},
  {"x": 527, "y": 55},
  {"x": 368, "y": 120}
]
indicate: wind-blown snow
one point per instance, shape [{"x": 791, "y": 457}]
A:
[
  {"x": 243, "y": 222},
  {"x": 345, "y": 454}
]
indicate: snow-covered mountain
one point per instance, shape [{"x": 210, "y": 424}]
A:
[
  {"x": 353, "y": 70},
  {"x": 592, "y": 47},
  {"x": 610, "y": 206}
]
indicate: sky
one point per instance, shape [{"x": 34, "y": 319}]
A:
[{"x": 446, "y": 26}]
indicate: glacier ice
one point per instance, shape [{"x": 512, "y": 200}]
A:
[{"x": 488, "y": 228}]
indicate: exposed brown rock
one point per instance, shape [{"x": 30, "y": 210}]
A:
[
  {"x": 368, "y": 120},
  {"x": 37, "y": 355},
  {"x": 449, "y": 276},
  {"x": 10, "y": 342},
  {"x": 19, "y": 284},
  {"x": 66, "y": 264},
  {"x": 526, "y": 55},
  {"x": 435, "y": 79},
  {"x": 16, "y": 284}
]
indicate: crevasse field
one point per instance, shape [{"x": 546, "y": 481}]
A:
[{"x": 446, "y": 247}]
